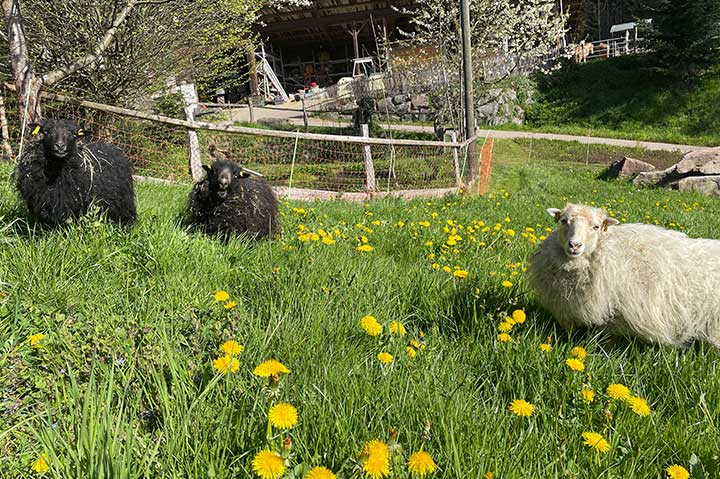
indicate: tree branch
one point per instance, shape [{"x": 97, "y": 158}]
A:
[{"x": 62, "y": 73}]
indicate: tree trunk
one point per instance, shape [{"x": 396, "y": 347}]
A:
[
  {"x": 7, "y": 153},
  {"x": 28, "y": 84}
]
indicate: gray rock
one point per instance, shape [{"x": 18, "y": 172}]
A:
[
  {"x": 420, "y": 101},
  {"x": 385, "y": 104},
  {"x": 653, "y": 178},
  {"x": 708, "y": 185},
  {"x": 400, "y": 99},
  {"x": 499, "y": 106},
  {"x": 402, "y": 108},
  {"x": 705, "y": 162},
  {"x": 627, "y": 168}
]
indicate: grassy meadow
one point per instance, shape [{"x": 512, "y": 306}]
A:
[
  {"x": 109, "y": 341},
  {"x": 625, "y": 97}
]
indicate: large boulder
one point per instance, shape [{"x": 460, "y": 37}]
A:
[
  {"x": 709, "y": 185},
  {"x": 697, "y": 171},
  {"x": 498, "y": 106},
  {"x": 700, "y": 162},
  {"x": 627, "y": 168}
]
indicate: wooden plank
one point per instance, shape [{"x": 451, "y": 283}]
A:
[{"x": 199, "y": 125}]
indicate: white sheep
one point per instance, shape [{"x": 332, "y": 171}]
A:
[{"x": 650, "y": 282}]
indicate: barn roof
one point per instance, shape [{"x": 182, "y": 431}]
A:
[{"x": 328, "y": 20}]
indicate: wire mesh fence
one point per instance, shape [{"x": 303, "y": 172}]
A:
[{"x": 159, "y": 147}]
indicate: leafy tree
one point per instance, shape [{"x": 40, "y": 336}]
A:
[
  {"x": 115, "y": 51},
  {"x": 684, "y": 35}
]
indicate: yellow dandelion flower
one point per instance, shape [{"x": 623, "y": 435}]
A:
[
  {"x": 411, "y": 352},
  {"x": 489, "y": 475},
  {"x": 35, "y": 339},
  {"x": 639, "y": 406},
  {"x": 269, "y": 368},
  {"x": 366, "y": 248},
  {"x": 421, "y": 463},
  {"x": 385, "y": 357},
  {"x": 504, "y": 338},
  {"x": 328, "y": 240},
  {"x": 221, "y": 295},
  {"x": 506, "y": 284},
  {"x": 510, "y": 321},
  {"x": 618, "y": 391},
  {"x": 545, "y": 347},
  {"x": 588, "y": 395},
  {"x": 398, "y": 328},
  {"x": 226, "y": 364},
  {"x": 41, "y": 465},
  {"x": 377, "y": 459},
  {"x": 578, "y": 352},
  {"x": 447, "y": 269},
  {"x": 521, "y": 408},
  {"x": 232, "y": 348},
  {"x": 505, "y": 327},
  {"x": 575, "y": 364},
  {"x": 230, "y": 304},
  {"x": 371, "y": 325},
  {"x": 519, "y": 316},
  {"x": 676, "y": 471},
  {"x": 459, "y": 273},
  {"x": 320, "y": 472},
  {"x": 596, "y": 441},
  {"x": 283, "y": 416},
  {"x": 268, "y": 464}
]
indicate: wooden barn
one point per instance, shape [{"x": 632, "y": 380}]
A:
[{"x": 319, "y": 44}]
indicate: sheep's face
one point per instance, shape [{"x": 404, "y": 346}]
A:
[
  {"x": 221, "y": 177},
  {"x": 580, "y": 228},
  {"x": 59, "y": 138}
]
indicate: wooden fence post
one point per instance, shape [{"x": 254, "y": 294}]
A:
[
  {"x": 252, "y": 111},
  {"x": 195, "y": 162},
  {"x": 306, "y": 122},
  {"x": 456, "y": 160},
  {"x": 369, "y": 168}
]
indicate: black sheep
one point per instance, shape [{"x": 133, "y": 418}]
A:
[
  {"x": 59, "y": 177},
  {"x": 230, "y": 201}
]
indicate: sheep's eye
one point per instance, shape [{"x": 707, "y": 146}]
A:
[
  {"x": 596, "y": 227},
  {"x": 564, "y": 221}
]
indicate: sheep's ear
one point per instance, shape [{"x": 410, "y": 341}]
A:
[
  {"x": 609, "y": 222},
  {"x": 554, "y": 212},
  {"x": 35, "y": 128}
]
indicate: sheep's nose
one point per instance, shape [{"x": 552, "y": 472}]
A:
[{"x": 575, "y": 244}]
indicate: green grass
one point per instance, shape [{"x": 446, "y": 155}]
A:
[
  {"x": 123, "y": 384},
  {"x": 623, "y": 98}
]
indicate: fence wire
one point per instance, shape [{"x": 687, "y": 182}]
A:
[{"x": 161, "y": 150}]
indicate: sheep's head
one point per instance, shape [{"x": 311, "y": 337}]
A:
[
  {"x": 580, "y": 228},
  {"x": 59, "y": 137},
  {"x": 221, "y": 177}
]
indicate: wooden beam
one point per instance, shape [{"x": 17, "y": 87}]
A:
[{"x": 329, "y": 20}]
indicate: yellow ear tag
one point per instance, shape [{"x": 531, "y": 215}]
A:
[
  {"x": 36, "y": 130},
  {"x": 81, "y": 132}
]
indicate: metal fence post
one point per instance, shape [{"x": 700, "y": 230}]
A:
[{"x": 369, "y": 168}]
